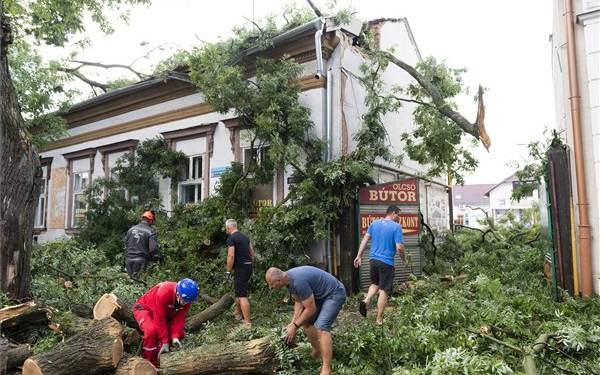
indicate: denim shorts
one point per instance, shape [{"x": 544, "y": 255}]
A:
[{"x": 327, "y": 311}]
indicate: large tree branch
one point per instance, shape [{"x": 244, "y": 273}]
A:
[
  {"x": 94, "y": 84},
  {"x": 476, "y": 129},
  {"x": 140, "y": 75}
]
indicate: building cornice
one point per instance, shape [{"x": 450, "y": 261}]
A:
[{"x": 306, "y": 83}]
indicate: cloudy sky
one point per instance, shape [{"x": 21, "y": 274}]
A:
[{"x": 503, "y": 44}]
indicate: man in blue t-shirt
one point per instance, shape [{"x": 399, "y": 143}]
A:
[
  {"x": 386, "y": 240},
  {"x": 318, "y": 298}
]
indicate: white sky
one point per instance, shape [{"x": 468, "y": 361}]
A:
[{"x": 503, "y": 44}]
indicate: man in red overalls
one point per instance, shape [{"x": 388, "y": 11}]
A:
[{"x": 161, "y": 314}]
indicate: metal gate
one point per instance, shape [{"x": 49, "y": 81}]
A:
[{"x": 373, "y": 202}]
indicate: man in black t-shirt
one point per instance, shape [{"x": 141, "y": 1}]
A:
[{"x": 240, "y": 255}]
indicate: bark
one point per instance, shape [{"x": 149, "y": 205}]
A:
[
  {"x": 19, "y": 183},
  {"x": 17, "y": 321},
  {"x": 529, "y": 366},
  {"x": 95, "y": 351},
  {"x": 216, "y": 309},
  {"x": 255, "y": 356},
  {"x": 130, "y": 365},
  {"x": 110, "y": 305},
  {"x": 68, "y": 324},
  {"x": 15, "y": 356}
]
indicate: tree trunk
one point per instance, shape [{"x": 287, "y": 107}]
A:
[
  {"x": 15, "y": 356},
  {"x": 17, "y": 321},
  {"x": 216, "y": 309},
  {"x": 68, "y": 324},
  {"x": 255, "y": 356},
  {"x": 94, "y": 351},
  {"x": 19, "y": 183},
  {"x": 110, "y": 305},
  {"x": 131, "y": 365}
]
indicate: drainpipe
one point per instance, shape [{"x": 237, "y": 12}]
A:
[
  {"x": 585, "y": 253},
  {"x": 318, "y": 47},
  {"x": 328, "y": 138}
]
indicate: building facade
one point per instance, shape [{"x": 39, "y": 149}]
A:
[
  {"x": 103, "y": 129},
  {"x": 576, "y": 75}
]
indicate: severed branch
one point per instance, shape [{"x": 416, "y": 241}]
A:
[
  {"x": 314, "y": 8},
  {"x": 432, "y": 237},
  {"x": 476, "y": 129},
  {"x": 93, "y": 84}
]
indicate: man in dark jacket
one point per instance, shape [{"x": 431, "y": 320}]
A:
[{"x": 141, "y": 245}]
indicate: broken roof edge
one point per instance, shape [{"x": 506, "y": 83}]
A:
[
  {"x": 404, "y": 21},
  {"x": 320, "y": 23}
]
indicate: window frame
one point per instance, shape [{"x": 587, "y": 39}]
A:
[
  {"x": 89, "y": 154},
  {"x": 41, "y": 209}
]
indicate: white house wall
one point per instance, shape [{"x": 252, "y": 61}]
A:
[{"x": 587, "y": 49}]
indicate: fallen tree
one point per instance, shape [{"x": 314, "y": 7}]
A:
[
  {"x": 12, "y": 356},
  {"x": 214, "y": 310},
  {"x": 131, "y": 365},
  {"x": 17, "y": 321},
  {"x": 109, "y": 305},
  {"x": 94, "y": 351},
  {"x": 255, "y": 356}
]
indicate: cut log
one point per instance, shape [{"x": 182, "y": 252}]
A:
[
  {"x": 67, "y": 324},
  {"x": 216, "y": 309},
  {"x": 110, "y": 305},
  {"x": 255, "y": 356},
  {"x": 95, "y": 351},
  {"x": 130, "y": 365},
  {"x": 17, "y": 321},
  {"x": 16, "y": 356}
]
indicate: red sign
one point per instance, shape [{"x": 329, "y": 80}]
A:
[
  {"x": 408, "y": 222},
  {"x": 399, "y": 192}
]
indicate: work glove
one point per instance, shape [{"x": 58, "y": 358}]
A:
[
  {"x": 164, "y": 349},
  {"x": 176, "y": 343},
  {"x": 228, "y": 277}
]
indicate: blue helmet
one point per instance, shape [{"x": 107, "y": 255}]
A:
[{"x": 187, "y": 290}]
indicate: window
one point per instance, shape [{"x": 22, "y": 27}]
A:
[
  {"x": 42, "y": 204},
  {"x": 460, "y": 220},
  {"x": 40, "y": 210},
  {"x": 526, "y": 192},
  {"x": 256, "y": 155},
  {"x": 111, "y": 155},
  {"x": 81, "y": 181},
  {"x": 262, "y": 195},
  {"x": 190, "y": 182}
]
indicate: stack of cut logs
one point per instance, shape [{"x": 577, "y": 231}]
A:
[{"x": 96, "y": 346}]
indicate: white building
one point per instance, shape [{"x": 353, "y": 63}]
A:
[
  {"x": 576, "y": 74},
  {"x": 471, "y": 205},
  {"x": 106, "y": 127},
  {"x": 501, "y": 202}
]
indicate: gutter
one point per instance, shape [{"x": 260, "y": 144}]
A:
[
  {"x": 317, "y": 24},
  {"x": 585, "y": 235}
]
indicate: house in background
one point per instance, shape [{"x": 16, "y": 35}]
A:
[
  {"x": 576, "y": 74},
  {"x": 501, "y": 202},
  {"x": 104, "y": 128},
  {"x": 471, "y": 205}
]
